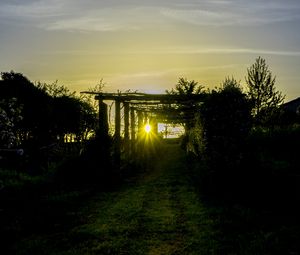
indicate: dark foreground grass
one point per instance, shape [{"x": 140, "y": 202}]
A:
[{"x": 161, "y": 212}]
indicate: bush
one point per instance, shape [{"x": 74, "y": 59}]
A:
[
  {"x": 93, "y": 167},
  {"x": 223, "y": 127}
]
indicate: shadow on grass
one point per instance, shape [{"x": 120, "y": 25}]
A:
[{"x": 255, "y": 215}]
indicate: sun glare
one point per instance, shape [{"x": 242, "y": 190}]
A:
[{"x": 147, "y": 128}]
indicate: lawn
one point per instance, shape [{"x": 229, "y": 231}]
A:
[{"x": 159, "y": 212}]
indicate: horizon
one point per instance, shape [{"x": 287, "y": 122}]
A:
[{"x": 146, "y": 46}]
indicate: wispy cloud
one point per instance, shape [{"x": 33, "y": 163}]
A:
[
  {"x": 82, "y": 15},
  {"x": 33, "y": 9},
  {"x": 227, "y": 13},
  {"x": 169, "y": 50},
  {"x": 191, "y": 50},
  {"x": 198, "y": 50},
  {"x": 118, "y": 15},
  {"x": 106, "y": 19},
  {"x": 173, "y": 71}
]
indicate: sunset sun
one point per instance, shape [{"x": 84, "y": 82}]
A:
[{"x": 147, "y": 128}]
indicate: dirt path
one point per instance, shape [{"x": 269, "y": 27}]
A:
[{"x": 159, "y": 213}]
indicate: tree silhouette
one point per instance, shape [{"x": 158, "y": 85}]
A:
[
  {"x": 186, "y": 87},
  {"x": 49, "y": 111},
  {"x": 55, "y": 90},
  {"x": 231, "y": 83},
  {"x": 261, "y": 90},
  {"x": 226, "y": 121},
  {"x": 187, "y": 110},
  {"x": 35, "y": 105},
  {"x": 10, "y": 115}
]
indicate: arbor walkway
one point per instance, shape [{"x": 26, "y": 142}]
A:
[{"x": 159, "y": 213}]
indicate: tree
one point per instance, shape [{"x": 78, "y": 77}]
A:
[
  {"x": 10, "y": 115},
  {"x": 90, "y": 98},
  {"x": 55, "y": 90},
  {"x": 226, "y": 119},
  {"x": 34, "y": 104},
  {"x": 186, "y": 88},
  {"x": 231, "y": 83},
  {"x": 220, "y": 134},
  {"x": 49, "y": 111},
  {"x": 261, "y": 91},
  {"x": 72, "y": 116}
]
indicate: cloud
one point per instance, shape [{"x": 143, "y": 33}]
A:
[
  {"x": 169, "y": 50},
  {"x": 97, "y": 20},
  {"x": 32, "y": 9},
  {"x": 84, "y": 16},
  {"x": 195, "y": 50},
  {"x": 226, "y": 13},
  {"x": 89, "y": 15}
]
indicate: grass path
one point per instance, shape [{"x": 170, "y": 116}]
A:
[{"x": 159, "y": 213}]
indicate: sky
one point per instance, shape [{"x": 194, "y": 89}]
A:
[{"x": 148, "y": 45}]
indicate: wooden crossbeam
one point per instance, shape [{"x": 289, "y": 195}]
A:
[{"x": 127, "y": 97}]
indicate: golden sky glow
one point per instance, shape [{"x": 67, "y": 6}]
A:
[{"x": 148, "y": 45}]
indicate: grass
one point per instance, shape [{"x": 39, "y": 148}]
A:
[{"x": 159, "y": 212}]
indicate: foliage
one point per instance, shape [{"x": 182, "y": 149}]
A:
[
  {"x": 223, "y": 124},
  {"x": 93, "y": 167},
  {"x": 50, "y": 111},
  {"x": 186, "y": 87},
  {"x": 186, "y": 110},
  {"x": 10, "y": 115},
  {"x": 34, "y": 103},
  {"x": 89, "y": 98},
  {"x": 275, "y": 150},
  {"x": 194, "y": 140},
  {"x": 262, "y": 92},
  {"x": 71, "y": 115},
  {"x": 231, "y": 83},
  {"x": 40, "y": 119},
  {"x": 55, "y": 90}
]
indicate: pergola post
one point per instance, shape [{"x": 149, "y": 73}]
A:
[
  {"x": 146, "y": 119},
  {"x": 103, "y": 120},
  {"x": 154, "y": 125},
  {"x": 117, "y": 132},
  {"x": 132, "y": 127},
  {"x": 126, "y": 127},
  {"x": 140, "y": 123}
]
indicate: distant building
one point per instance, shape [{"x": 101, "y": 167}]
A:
[
  {"x": 291, "y": 112},
  {"x": 292, "y": 106}
]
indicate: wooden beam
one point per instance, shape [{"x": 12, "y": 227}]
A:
[{"x": 162, "y": 98}]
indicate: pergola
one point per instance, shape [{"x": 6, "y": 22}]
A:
[{"x": 142, "y": 106}]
